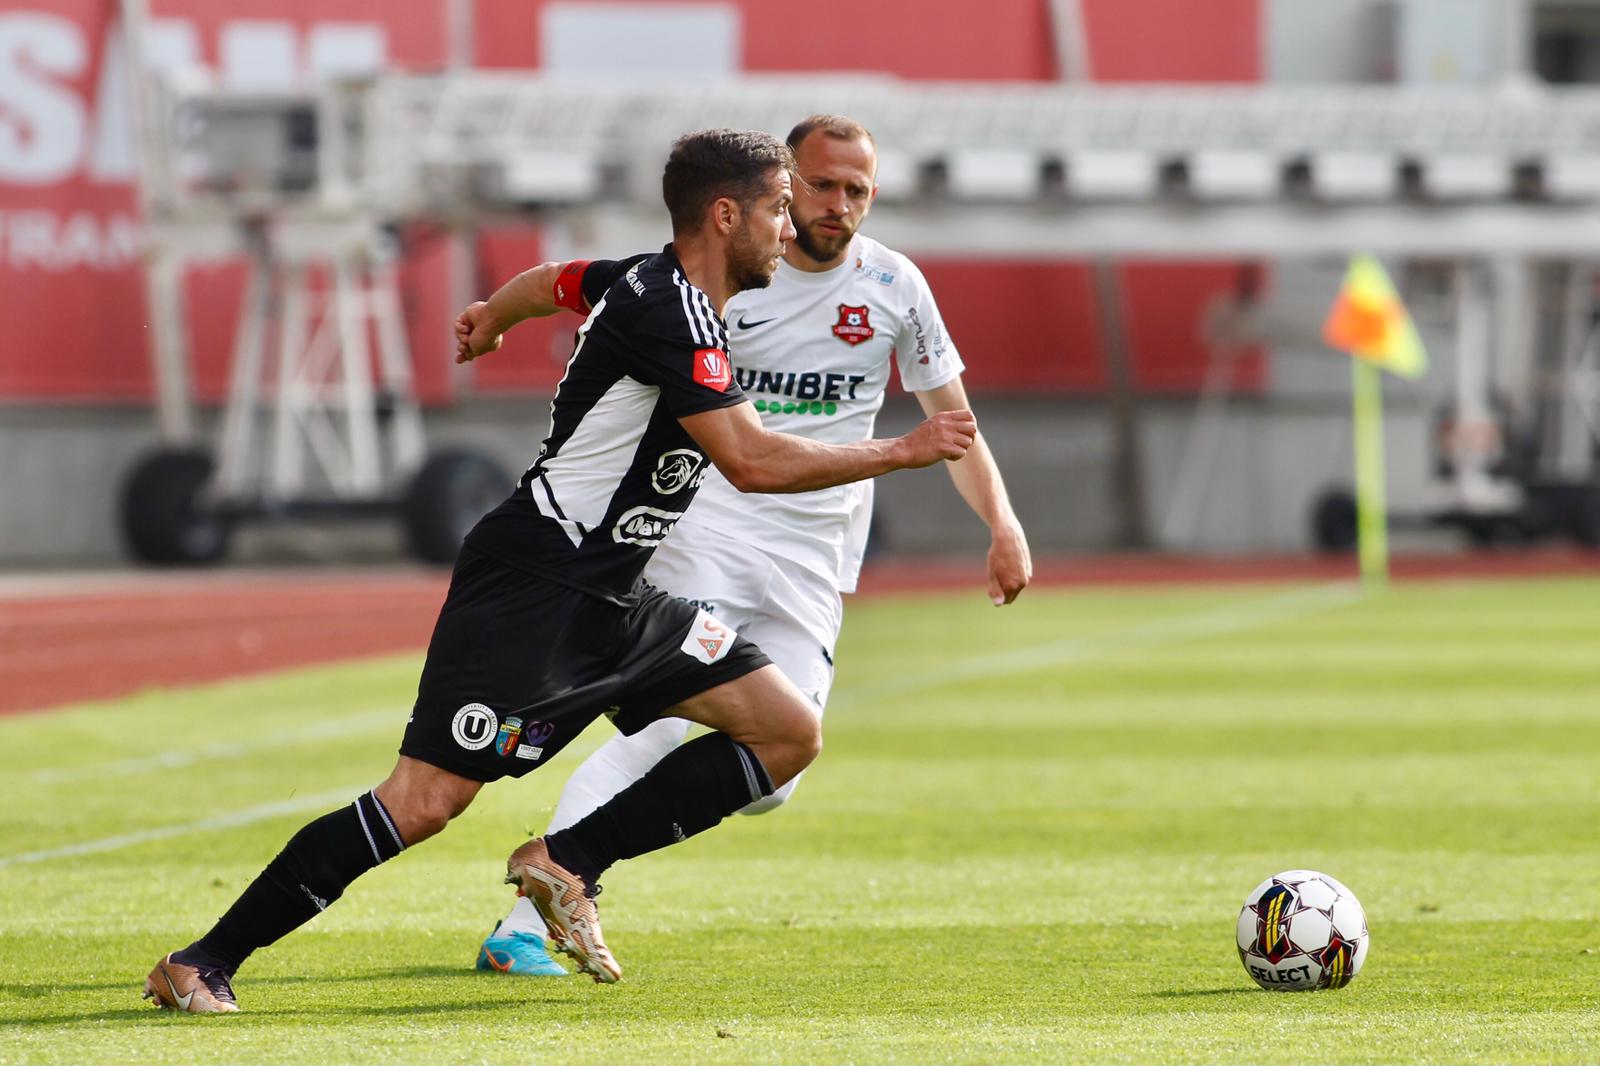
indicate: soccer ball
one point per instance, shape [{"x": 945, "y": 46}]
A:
[{"x": 1301, "y": 930}]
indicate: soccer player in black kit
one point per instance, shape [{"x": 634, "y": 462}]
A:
[{"x": 547, "y": 626}]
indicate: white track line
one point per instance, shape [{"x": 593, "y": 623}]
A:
[
  {"x": 232, "y": 820},
  {"x": 167, "y": 760},
  {"x": 1234, "y": 618}
]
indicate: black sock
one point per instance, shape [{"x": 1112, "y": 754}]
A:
[
  {"x": 311, "y": 871},
  {"x": 692, "y": 789}
]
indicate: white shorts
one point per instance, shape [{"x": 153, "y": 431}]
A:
[{"x": 791, "y": 613}]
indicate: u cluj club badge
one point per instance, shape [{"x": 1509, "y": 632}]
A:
[{"x": 853, "y": 326}]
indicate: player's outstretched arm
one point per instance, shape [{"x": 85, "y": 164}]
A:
[
  {"x": 531, "y": 294},
  {"x": 978, "y": 480},
  {"x": 755, "y": 459}
]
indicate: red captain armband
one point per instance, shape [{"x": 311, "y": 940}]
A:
[{"x": 569, "y": 287}]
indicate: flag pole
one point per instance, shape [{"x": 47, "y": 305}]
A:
[{"x": 1372, "y": 536}]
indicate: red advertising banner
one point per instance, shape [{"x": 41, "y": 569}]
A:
[{"x": 71, "y": 296}]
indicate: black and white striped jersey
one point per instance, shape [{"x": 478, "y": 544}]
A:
[{"x": 617, "y": 470}]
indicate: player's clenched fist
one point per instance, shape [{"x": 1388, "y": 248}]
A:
[
  {"x": 946, "y": 435},
  {"x": 475, "y": 334}
]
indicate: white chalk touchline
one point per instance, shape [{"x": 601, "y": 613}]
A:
[
  {"x": 167, "y": 760},
  {"x": 231, "y": 820},
  {"x": 1231, "y": 619},
  {"x": 1234, "y": 618}
]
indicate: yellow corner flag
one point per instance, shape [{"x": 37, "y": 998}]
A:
[{"x": 1370, "y": 322}]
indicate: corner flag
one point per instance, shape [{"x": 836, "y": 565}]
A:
[{"x": 1369, "y": 321}]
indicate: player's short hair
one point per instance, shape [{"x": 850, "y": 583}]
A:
[
  {"x": 710, "y": 164},
  {"x": 838, "y": 127}
]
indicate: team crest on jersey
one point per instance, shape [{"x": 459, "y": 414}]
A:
[
  {"x": 510, "y": 729},
  {"x": 712, "y": 369},
  {"x": 853, "y": 326},
  {"x": 474, "y": 727}
]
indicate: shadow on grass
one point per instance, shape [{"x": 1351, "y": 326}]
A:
[
  {"x": 1190, "y": 993},
  {"x": 515, "y": 990}
]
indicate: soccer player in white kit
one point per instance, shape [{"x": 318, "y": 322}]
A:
[{"x": 813, "y": 352}]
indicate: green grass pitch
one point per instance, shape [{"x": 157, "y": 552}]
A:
[{"x": 1027, "y": 841}]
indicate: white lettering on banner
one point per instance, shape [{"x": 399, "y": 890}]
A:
[
  {"x": 170, "y": 44},
  {"x": 47, "y": 130},
  {"x": 41, "y": 121},
  {"x": 48, "y": 240},
  {"x": 258, "y": 55}
]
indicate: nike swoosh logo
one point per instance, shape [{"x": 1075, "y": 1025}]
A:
[
  {"x": 182, "y": 1001},
  {"x": 742, "y": 324}
]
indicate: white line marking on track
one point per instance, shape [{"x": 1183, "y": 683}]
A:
[
  {"x": 1234, "y": 618},
  {"x": 232, "y": 820},
  {"x": 167, "y": 760}
]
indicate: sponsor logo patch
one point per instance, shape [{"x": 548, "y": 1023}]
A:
[
  {"x": 815, "y": 391},
  {"x": 712, "y": 369},
  {"x": 474, "y": 727},
  {"x": 854, "y": 325},
  {"x": 533, "y": 740},
  {"x": 506, "y": 739},
  {"x": 921, "y": 334},
  {"x": 644, "y": 526},
  {"x": 872, "y": 273},
  {"x": 708, "y": 640},
  {"x": 677, "y": 469}
]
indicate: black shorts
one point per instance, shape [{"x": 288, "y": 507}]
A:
[{"x": 520, "y": 665}]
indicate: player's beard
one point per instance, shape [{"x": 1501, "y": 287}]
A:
[
  {"x": 824, "y": 248},
  {"x": 750, "y": 264}
]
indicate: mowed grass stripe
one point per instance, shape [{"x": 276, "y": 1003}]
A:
[
  {"x": 1254, "y": 610},
  {"x": 1037, "y": 865}
]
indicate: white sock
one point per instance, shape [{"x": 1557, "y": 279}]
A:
[
  {"x": 615, "y": 765},
  {"x": 775, "y": 800},
  {"x": 524, "y": 918}
]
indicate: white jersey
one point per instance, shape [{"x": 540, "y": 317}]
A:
[{"x": 812, "y": 352}]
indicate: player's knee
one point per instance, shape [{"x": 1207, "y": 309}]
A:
[
  {"x": 417, "y": 816},
  {"x": 804, "y": 741},
  {"x": 789, "y": 739},
  {"x": 799, "y": 731},
  {"x": 422, "y": 802},
  {"x": 811, "y": 738}
]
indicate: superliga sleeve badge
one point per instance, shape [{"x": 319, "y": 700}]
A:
[{"x": 712, "y": 369}]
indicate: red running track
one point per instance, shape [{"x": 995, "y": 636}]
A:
[
  {"x": 68, "y": 638},
  {"x": 83, "y": 638}
]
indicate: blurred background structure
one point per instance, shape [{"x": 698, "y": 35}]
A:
[{"x": 233, "y": 236}]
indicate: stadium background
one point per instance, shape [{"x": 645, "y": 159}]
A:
[
  {"x": 75, "y": 369},
  {"x": 1103, "y": 769}
]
